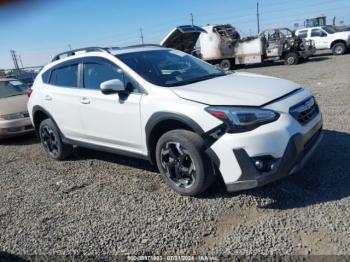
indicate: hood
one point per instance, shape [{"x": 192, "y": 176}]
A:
[
  {"x": 183, "y": 38},
  {"x": 13, "y": 104},
  {"x": 237, "y": 89}
]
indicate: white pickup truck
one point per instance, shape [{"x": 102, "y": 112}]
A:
[{"x": 325, "y": 37}]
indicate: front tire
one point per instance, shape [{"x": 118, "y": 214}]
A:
[
  {"x": 339, "y": 49},
  {"x": 291, "y": 59},
  {"x": 52, "y": 142},
  {"x": 183, "y": 163}
]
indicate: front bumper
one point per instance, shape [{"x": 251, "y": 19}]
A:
[
  {"x": 15, "y": 127},
  {"x": 310, "y": 51},
  {"x": 299, "y": 150},
  {"x": 234, "y": 154}
]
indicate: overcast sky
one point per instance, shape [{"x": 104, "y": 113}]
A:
[{"x": 39, "y": 29}]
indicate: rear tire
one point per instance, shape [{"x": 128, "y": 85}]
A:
[
  {"x": 184, "y": 165},
  {"x": 225, "y": 64},
  {"x": 291, "y": 59},
  {"x": 52, "y": 142},
  {"x": 339, "y": 49}
]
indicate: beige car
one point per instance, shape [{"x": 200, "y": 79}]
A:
[{"x": 14, "y": 117}]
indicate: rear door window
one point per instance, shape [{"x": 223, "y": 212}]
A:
[
  {"x": 316, "y": 32},
  {"x": 65, "y": 76},
  {"x": 303, "y": 34}
]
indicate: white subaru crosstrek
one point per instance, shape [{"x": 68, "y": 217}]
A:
[{"x": 191, "y": 119}]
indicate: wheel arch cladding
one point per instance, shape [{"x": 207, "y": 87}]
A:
[
  {"x": 162, "y": 122},
  {"x": 39, "y": 115}
]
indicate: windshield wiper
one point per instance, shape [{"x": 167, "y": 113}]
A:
[{"x": 207, "y": 77}]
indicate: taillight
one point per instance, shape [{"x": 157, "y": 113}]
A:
[{"x": 29, "y": 92}]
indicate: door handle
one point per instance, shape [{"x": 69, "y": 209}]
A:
[
  {"x": 85, "y": 101},
  {"x": 48, "y": 97}
]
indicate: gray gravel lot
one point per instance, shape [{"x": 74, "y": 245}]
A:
[{"x": 103, "y": 204}]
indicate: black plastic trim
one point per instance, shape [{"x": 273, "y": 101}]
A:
[
  {"x": 298, "y": 151},
  {"x": 158, "y": 117},
  {"x": 41, "y": 109},
  {"x": 104, "y": 149}
]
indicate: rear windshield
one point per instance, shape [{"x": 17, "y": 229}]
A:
[{"x": 12, "y": 88}]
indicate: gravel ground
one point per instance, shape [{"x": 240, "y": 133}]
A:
[{"x": 101, "y": 204}]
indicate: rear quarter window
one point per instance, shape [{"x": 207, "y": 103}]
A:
[{"x": 46, "y": 76}]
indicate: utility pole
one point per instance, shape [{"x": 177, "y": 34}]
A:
[
  {"x": 15, "y": 62},
  {"x": 258, "y": 16},
  {"x": 141, "y": 36},
  {"x": 191, "y": 14}
]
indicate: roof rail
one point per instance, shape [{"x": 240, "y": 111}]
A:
[
  {"x": 73, "y": 52},
  {"x": 144, "y": 45}
]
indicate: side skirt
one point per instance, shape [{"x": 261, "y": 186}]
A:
[{"x": 104, "y": 149}]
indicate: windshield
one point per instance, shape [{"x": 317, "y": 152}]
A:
[
  {"x": 169, "y": 67},
  {"x": 12, "y": 88},
  {"x": 328, "y": 29}
]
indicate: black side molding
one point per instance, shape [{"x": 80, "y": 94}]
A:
[{"x": 162, "y": 116}]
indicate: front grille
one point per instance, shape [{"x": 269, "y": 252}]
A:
[{"x": 305, "y": 111}]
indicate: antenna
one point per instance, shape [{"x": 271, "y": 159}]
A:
[
  {"x": 191, "y": 14},
  {"x": 141, "y": 36}
]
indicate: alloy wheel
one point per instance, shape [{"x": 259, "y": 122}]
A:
[
  {"x": 338, "y": 50},
  {"x": 49, "y": 140},
  {"x": 290, "y": 60},
  {"x": 178, "y": 165}
]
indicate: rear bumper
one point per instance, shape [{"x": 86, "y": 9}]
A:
[
  {"x": 15, "y": 127},
  {"x": 296, "y": 155}
]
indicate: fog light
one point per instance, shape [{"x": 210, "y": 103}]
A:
[
  {"x": 259, "y": 164},
  {"x": 264, "y": 163}
]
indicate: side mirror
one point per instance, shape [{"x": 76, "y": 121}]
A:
[{"x": 112, "y": 86}]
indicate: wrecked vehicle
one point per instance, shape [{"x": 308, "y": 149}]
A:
[
  {"x": 222, "y": 45},
  {"x": 283, "y": 44}
]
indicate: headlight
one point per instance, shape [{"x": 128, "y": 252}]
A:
[
  {"x": 14, "y": 116},
  {"x": 241, "y": 119}
]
